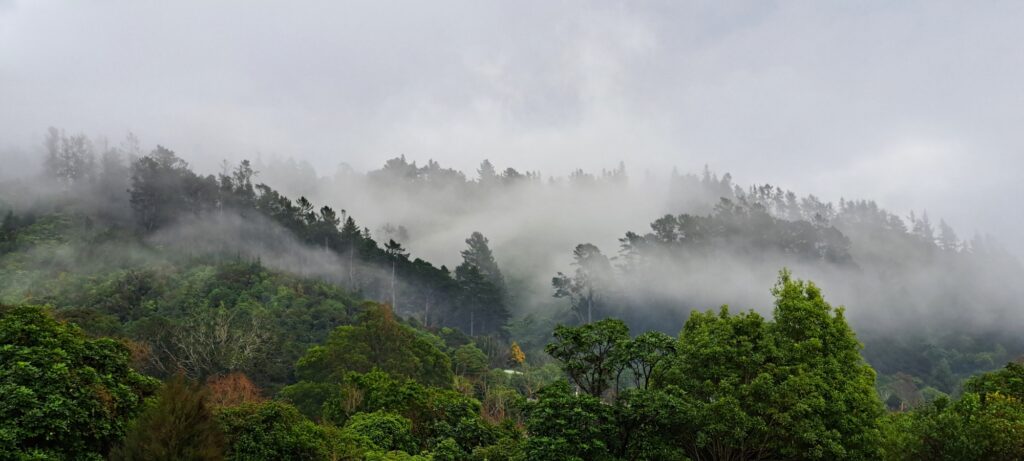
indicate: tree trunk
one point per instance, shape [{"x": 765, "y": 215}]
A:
[
  {"x": 394, "y": 302},
  {"x": 351, "y": 274}
]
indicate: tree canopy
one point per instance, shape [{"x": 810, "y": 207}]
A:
[
  {"x": 376, "y": 341},
  {"x": 62, "y": 395}
]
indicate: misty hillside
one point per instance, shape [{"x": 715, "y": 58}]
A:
[
  {"x": 363, "y": 339},
  {"x": 497, "y": 231},
  {"x": 927, "y": 304}
]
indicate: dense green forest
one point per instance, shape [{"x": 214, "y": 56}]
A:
[{"x": 148, "y": 311}]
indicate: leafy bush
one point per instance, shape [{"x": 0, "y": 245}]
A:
[
  {"x": 385, "y": 431},
  {"x": 62, "y": 396},
  {"x": 276, "y": 430}
]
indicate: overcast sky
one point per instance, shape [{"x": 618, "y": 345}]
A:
[{"x": 919, "y": 105}]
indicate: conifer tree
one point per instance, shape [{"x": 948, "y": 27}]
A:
[
  {"x": 178, "y": 426},
  {"x": 483, "y": 287}
]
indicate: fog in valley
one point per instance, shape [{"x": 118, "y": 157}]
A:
[
  {"x": 913, "y": 105},
  {"x": 873, "y": 148},
  {"x": 511, "y": 230}
]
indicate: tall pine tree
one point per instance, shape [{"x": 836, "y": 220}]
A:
[{"x": 483, "y": 301}]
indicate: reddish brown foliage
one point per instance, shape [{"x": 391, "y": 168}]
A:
[
  {"x": 232, "y": 389},
  {"x": 141, "y": 353}
]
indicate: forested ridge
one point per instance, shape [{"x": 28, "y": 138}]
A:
[{"x": 151, "y": 312}]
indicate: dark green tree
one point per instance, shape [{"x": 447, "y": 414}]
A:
[
  {"x": 480, "y": 256},
  {"x": 484, "y": 297},
  {"x": 649, "y": 424},
  {"x": 591, "y": 284},
  {"x": 396, "y": 254},
  {"x": 646, "y": 356},
  {"x": 481, "y": 303},
  {"x": 567, "y": 427},
  {"x": 589, "y": 353},
  {"x": 163, "y": 188},
  {"x": 179, "y": 426}
]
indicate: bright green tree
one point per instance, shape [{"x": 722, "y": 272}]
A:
[
  {"x": 792, "y": 388},
  {"x": 722, "y": 372},
  {"x": 822, "y": 369},
  {"x": 385, "y": 431},
  {"x": 448, "y": 450},
  {"x": 436, "y": 414},
  {"x": 377, "y": 341},
  {"x": 469, "y": 360},
  {"x": 1009, "y": 381},
  {"x": 62, "y": 396},
  {"x": 985, "y": 423}
]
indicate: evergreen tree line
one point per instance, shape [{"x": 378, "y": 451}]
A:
[
  {"x": 933, "y": 309},
  {"x": 158, "y": 189},
  {"x": 730, "y": 386}
]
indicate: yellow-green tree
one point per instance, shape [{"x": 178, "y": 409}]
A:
[
  {"x": 516, "y": 354},
  {"x": 792, "y": 388},
  {"x": 377, "y": 341}
]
